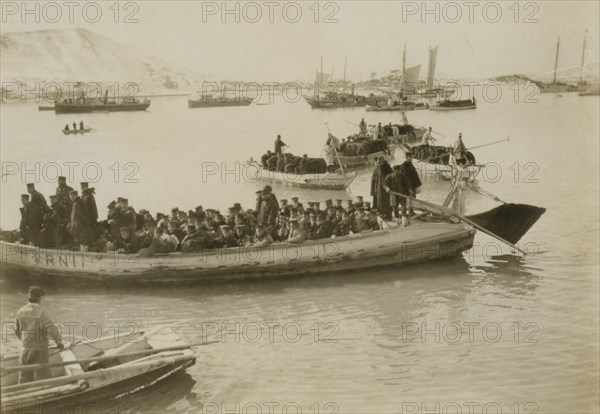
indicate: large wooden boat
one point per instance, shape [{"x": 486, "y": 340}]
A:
[
  {"x": 419, "y": 242},
  {"x": 99, "y": 369},
  {"x": 325, "y": 181},
  {"x": 209, "y": 101},
  {"x": 440, "y": 167}
]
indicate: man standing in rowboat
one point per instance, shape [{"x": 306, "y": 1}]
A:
[
  {"x": 398, "y": 182},
  {"x": 459, "y": 151},
  {"x": 279, "y": 144},
  {"x": 33, "y": 327},
  {"x": 62, "y": 191}
]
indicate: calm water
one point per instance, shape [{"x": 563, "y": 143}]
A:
[{"x": 487, "y": 331}]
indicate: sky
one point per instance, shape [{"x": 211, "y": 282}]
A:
[{"x": 476, "y": 39}]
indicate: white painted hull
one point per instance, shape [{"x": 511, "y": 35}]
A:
[
  {"x": 419, "y": 242},
  {"x": 327, "y": 181}
]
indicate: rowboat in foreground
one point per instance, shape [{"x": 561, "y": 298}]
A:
[
  {"x": 76, "y": 131},
  {"x": 99, "y": 369},
  {"x": 422, "y": 241},
  {"x": 328, "y": 181}
]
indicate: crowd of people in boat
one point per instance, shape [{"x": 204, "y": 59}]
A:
[
  {"x": 81, "y": 126},
  {"x": 71, "y": 220}
]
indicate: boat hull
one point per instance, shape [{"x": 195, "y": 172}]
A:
[
  {"x": 327, "y": 181},
  {"x": 77, "y": 131},
  {"x": 419, "y": 242},
  {"x": 361, "y": 160},
  {"x": 452, "y": 108},
  {"x": 445, "y": 172},
  {"x": 199, "y": 103},
  {"x": 62, "y": 108}
]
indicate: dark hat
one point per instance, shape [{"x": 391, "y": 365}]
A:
[
  {"x": 143, "y": 211},
  {"x": 36, "y": 292},
  {"x": 232, "y": 209},
  {"x": 112, "y": 204},
  {"x": 225, "y": 226},
  {"x": 348, "y": 201},
  {"x": 84, "y": 184},
  {"x": 397, "y": 168},
  {"x": 339, "y": 201},
  {"x": 267, "y": 188},
  {"x": 283, "y": 200},
  {"x": 328, "y": 202},
  {"x": 121, "y": 200},
  {"x": 408, "y": 154},
  {"x": 25, "y": 196},
  {"x": 259, "y": 191},
  {"x": 359, "y": 197},
  {"x": 61, "y": 178},
  {"x": 159, "y": 216},
  {"x": 73, "y": 192},
  {"x": 237, "y": 205},
  {"x": 198, "y": 208},
  {"x": 175, "y": 209},
  {"x": 295, "y": 198}
]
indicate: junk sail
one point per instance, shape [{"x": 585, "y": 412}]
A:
[
  {"x": 321, "y": 79},
  {"x": 431, "y": 67}
]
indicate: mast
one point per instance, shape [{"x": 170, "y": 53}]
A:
[
  {"x": 344, "y": 85},
  {"x": 404, "y": 69},
  {"x": 582, "y": 59},
  {"x": 556, "y": 61},
  {"x": 320, "y": 77}
]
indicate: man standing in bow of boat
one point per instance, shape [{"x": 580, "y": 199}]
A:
[
  {"x": 398, "y": 182},
  {"x": 428, "y": 139},
  {"x": 279, "y": 144},
  {"x": 33, "y": 327},
  {"x": 459, "y": 151}
]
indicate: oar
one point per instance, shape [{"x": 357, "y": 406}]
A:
[
  {"x": 352, "y": 123},
  {"x": 339, "y": 161},
  {"x": 435, "y": 132},
  {"x": 101, "y": 358},
  {"x": 453, "y": 213},
  {"x": 467, "y": 149}
]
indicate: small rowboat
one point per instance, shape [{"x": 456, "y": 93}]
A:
[
  {"x": 76, "y": 131},
  {"x": 94, "y": 370},
  {"x": 454, "y": 105},
  {"x": 326, "y": 181},
  {"x": 45, "y": 108}
]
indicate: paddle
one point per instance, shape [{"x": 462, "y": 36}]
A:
[
  {"x": 468, "y": 149},
  {"x": 339, "y": 161},
  {"x": 101, "y": 358},
  {"x": 453, "y": 213}
]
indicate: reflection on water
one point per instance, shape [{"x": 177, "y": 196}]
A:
[{"x": 486, "y": 326}]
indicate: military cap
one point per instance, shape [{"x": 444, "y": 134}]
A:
[
  {"x": 267, "y": 188},
  {"x": 232, "y": 209},
  {"x": 295, "y": 198},
  {"x": 328, "y": 202},
  {"x": 36, "y": 292},
  {"x": 149, "y": 220},
  {"x": 61, "y": 178},
  {"x": 317, "y": 204},
  {"x": 121, "y": 200},
  {"x": 124, "y": 228},
  {"x": 159, "y": 216},
  {"x": 112, "y": 204},
  {"x": 283, "y": 200},
  {"x": 368, "y": 205},
  {"x": 348, "y": 201},
  {"x": 143, "y": 211},
  {"x": 311, "y": 203},
  {"x": 359, "y": 197},
  {"x": 73, "y": 192},
  {"x": 84, "y": 184},
  {"x": 259, "y": 191},
  {"x": 25, "y": 196},
  {"x": 224, "y": 226},
  {"x": 175, "y": 209},
  {"x": 339, "y": 201},
  {"x": 237, "y": 205},
  {"x": 198, "y": 208}
]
